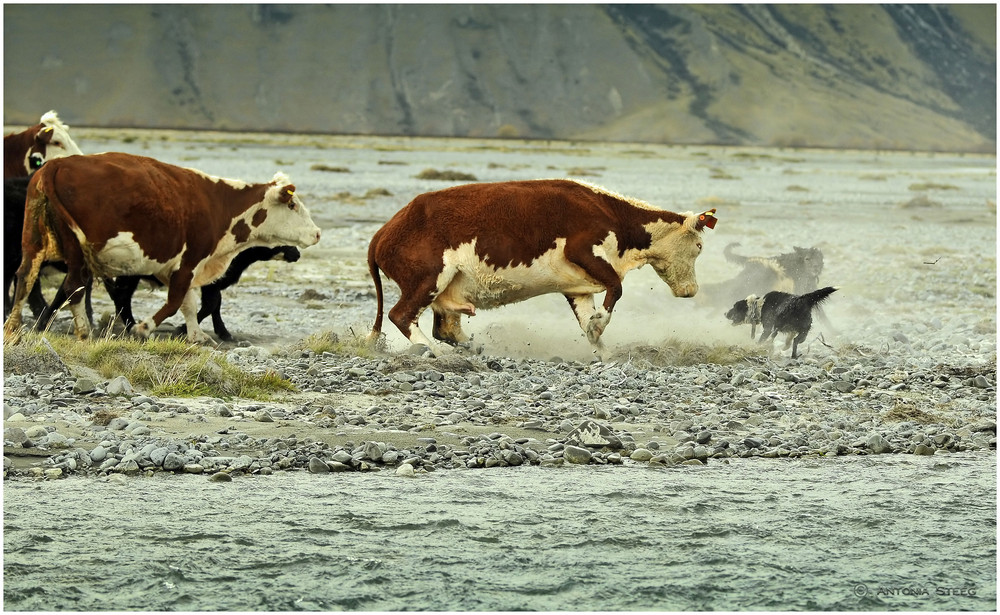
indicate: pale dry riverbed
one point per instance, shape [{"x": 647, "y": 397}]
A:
[{"x": 906, "y": 366}]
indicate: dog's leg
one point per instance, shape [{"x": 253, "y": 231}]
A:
[{"x": 801, "y": 337}]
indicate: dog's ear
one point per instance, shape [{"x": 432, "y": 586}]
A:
[{"x": 706, "y": 218}]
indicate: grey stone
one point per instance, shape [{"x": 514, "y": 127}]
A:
[
  {"x": 342, "y": 457},
  {"x": 641, "y": 454},
  {"x": 157, "y": 455},
  {"x": 174, "y": 462},
  {"x": 405, "y": 469},
  {"x": 119, "y": 386},
  {"x": 118, "y": 424},
  {"x": 575, "y": 454},
  {"x": 84, "y": 385},
  {"x": 594, "y": 435},
  {"x": 923, "y": 449},
  {"x": 220, "y": 477},
  {"x": 17, "y": 436},
  {"x": 318, "y": 466},
  {"x": 877, "y": 444},
  {"x": 98, "y": 454}
]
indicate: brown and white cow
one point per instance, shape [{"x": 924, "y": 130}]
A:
[
  {"x": 25, "y": 151},
  {"x": 480, "y": 246},
  {"x": 114, "y": 214}
]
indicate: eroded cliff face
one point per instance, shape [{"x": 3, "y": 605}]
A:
[{"x": 912, "y": 77}]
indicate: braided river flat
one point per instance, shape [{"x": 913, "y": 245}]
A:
[{"x": 860, "y": 476}]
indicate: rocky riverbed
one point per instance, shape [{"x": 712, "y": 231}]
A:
[{"x": 906, "y": 363}]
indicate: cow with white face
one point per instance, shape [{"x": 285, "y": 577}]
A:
[
  {"x": 26, "y": 151},
  {"x": 480, "y": 246},
  {"x": 114, "y": 214}
]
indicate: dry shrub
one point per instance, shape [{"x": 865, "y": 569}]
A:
[{"x": 908, "y": 412}]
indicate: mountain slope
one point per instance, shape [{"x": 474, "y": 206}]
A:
[{"x": 912, "y": 77}]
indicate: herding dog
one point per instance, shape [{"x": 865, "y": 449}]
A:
[{"x": 779, "y": 312}]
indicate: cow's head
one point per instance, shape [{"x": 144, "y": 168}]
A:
[
  {"x": 283, "y": 219},
  {"x": 676, "y": 247},
  {"x": 51, "y": 141}
]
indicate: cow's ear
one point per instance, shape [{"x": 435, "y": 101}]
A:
[
  {"x": 287, "y": 194},
  {"x": 706, "y": 219},
  {"x": 43, "y": 136}
]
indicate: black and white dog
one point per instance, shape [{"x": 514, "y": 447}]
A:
[{"x": 779, "y": 312}]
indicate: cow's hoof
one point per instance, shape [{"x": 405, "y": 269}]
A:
[
  {"x": 420, "y": 350},
  {"x": 141, "y": 331}
]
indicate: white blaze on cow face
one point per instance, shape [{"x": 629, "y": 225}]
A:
[
  {"x": 288, "y": 222},
  {"x": 673, "y": 252},
  {"x": 60, "y": 144}
]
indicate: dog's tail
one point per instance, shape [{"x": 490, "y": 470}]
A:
[
  {"x": 734, "y": 258},
  {"x": 816, "y": 297}
]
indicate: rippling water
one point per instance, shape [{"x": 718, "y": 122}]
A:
[{"x": 869, "y": 533}]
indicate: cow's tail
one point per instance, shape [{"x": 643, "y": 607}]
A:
[{"x": 373, "y": 270}]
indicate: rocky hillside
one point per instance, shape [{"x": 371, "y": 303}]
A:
[{"x": 897, "y": 76}]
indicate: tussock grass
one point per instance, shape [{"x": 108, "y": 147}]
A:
[
  {"x": 357, "y": 345},
  {"x": 163, "y": 366}
]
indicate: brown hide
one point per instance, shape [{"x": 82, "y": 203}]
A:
[
  {"x": 16, "y": 147},
  {"x": 511, "y": 224},
  {"x": 169, "y": 212}
]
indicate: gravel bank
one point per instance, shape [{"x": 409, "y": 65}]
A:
[{"x": 908, "y": 365}]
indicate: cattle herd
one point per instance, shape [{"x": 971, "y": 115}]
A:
[{"x": 122, "y": 218}]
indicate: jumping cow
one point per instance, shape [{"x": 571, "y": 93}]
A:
[
  {"x": 487, "y": 245},
  {"x": 26, "y": 151},
  {"x": 114, "y": 214}
]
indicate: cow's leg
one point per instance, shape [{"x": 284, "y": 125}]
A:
[
  {"x": 121, "y": 290},
  {"x": 592, "y": 320},
  {"x": 177, "y": 294},
  {"x": 27, "y": 273},
  {"x": 36, "y": 301},
  {"x": 600, "y": 270},
  {"x": 448, "y": 327},
  {"x": 414, "y": 299},
  {"x": 211, "y": 304},
  {"x": 189, "y": 309},
  {"x": 75, "y": 285}
]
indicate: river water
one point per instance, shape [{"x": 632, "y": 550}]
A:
[{"x": 865, "y": 533}]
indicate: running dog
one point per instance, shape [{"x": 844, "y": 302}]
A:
[{"x": 779, "y": 312}]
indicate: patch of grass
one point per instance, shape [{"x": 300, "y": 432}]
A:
[
  {"x": 356, "y": 345},
  {"x": 931, "y": 186},
  {"x": 347, "y": 197},
  {"x": 445, "y": 175},
  {"x": 584, "y": 172},
  {"x": 329, "y": 169},
  {"x": 717, "y": 173},
  {"x": 165, "y": 366},
  {"x": 104, "y": 416},
  {"x": 908, "y": 412}
]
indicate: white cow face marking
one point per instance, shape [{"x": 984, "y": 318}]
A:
[
  {"x": 673, "y": 257},
  {"x": 288, "y": 222}
]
